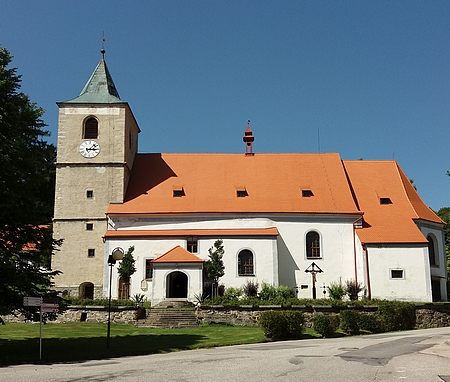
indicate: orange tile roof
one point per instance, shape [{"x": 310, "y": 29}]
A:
[
  {"x": 272, "y": 231},
  {"x": 387, "y": 223},
  {"x": 178, "y": 255},
  {"x": 273, "y": 182}
]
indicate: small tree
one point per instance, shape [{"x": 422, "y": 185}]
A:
[
  {"x": 215, "y": 268},
  {"x": 126, "y": 269}
]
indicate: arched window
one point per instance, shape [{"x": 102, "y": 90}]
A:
[
  {"x": 90, "y": 128},
  {"x": 312, "y": 245},
  {"x": 432, "y": 250},
  {"x": 245, "y": 263}
]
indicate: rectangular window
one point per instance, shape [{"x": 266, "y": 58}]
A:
[
  {"x": 89, "y": 194},
  {"x": 397, "y": 274},
  {"x": 91, "y": 252},
  {"x": 307, "y": 193},
  {"x": 385, "y": 201},
  {"x": 192, "y": 244},
  {"x": 89, "y": 226},
  {"x": 148, "y": 269}
]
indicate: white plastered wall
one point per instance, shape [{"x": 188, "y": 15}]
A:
[
  {"x": 277, "y": 260},
  {"x": 412, "y": 260}
]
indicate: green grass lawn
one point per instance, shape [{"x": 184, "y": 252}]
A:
[{"x": 78, "y": 341}]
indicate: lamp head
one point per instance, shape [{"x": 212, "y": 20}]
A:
[{"x": 117, "y": 253}]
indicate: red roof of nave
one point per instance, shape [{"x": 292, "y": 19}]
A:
[{"x": 273, "y": 182}]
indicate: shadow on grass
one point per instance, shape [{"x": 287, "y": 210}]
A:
[{"x": 13, "y": 352}]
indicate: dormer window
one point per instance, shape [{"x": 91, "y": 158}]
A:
[
  {"x": 241, "y": 192},
  {"x": 385, "y": 201},
  {"x": 178, "y": 192},
  {"x": 90, "y": 128},
  {"x": 307, "y": 193},
  {"x": 358, "y": 223}
]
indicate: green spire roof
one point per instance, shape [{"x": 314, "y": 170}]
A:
[{"x": 100, "y": 87}]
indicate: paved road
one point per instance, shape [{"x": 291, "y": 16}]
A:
[{"x": 422, "y": 356}]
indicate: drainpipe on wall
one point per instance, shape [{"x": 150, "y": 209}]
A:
[
  {"x": 354, "y": 248},
  {"x": 369, "y": 292}
]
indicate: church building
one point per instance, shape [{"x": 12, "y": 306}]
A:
[{"x": 279, "y": 215}]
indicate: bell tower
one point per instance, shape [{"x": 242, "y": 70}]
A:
[{"x": 97, "y": 143}]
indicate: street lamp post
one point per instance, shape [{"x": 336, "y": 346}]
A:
[{"x": 116, "y": 255}]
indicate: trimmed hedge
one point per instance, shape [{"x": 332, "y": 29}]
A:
[
  {"x": 282, "y": 324},
  {"x": 349, "y": 321},
  {"x": 397, "y": 315},
  {"x": 370, "y": 322},
  {"x": 325, "y": 324}
]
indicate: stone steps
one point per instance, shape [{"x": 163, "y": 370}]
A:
[{"x": 169, "y": 318}]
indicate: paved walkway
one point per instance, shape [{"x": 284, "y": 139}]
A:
[{"x": 421, "y": 355}]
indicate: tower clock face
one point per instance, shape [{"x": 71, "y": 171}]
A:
[{"x": 89, "y": 149}]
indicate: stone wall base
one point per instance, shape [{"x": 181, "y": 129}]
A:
[{"x": 427, "y": 315}]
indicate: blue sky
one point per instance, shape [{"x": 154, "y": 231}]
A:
[{"x": 367, "y": 79}]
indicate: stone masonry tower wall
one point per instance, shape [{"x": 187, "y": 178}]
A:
[{"x": 87, "y": 184}]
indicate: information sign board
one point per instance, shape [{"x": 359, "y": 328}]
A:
[{"x": 32, "y": 301}]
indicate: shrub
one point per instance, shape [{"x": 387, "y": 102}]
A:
[
  {"x": 268, "y": 291},
  {"x": 295, "y": 321},
  {"x": 397, "y": 315},
  {"x": 349, "y": 321},
  {"x": 232, "y": 293},
  {"x": 370, "y": 322},
  {"x": 353, "y": 289},
  {"x": 336, "y": 291},
  {"x": 281, "y": 325},
  {"x": 250, "y": 288},
  {"x": 201, "y": 298},
  {"x": 335, "y": 321},
  {"x": 253, "y": 301},
  {"x": 216, "y": 300},
  {"x": 323, "y": 325},
  {"x": 285, "y": 292},
  {"x": 139, "y": 299},
  {"x": 96, "y": 302}
]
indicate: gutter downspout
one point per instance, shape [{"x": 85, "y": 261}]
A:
[
  {"x": 354, "y": 248},
  {"x": 369, "y": 291}
]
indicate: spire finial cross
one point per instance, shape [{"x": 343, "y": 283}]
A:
[{"x": 103, "y": 51}]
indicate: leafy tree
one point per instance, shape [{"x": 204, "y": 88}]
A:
[
  {"x": 215, "y": 268},
  {"x": 444, "y": 214},
  {"x": 27, "y": 176},
  {"x": 126, "y": 269}
]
